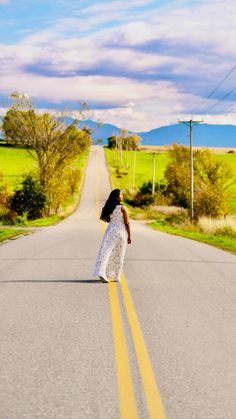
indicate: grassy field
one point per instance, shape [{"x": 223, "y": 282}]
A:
[
  {"x": 231, "y": 160},
  {"x": 143, "y": 170},
  {"x": 15, "y": 162}
]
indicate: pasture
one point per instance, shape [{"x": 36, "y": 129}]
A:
[
  {"x": 16, "y": 162},
  {"x": 123, "y": 178}
]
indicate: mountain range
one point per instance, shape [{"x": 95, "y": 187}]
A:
[{"x": 204, "y": 135}]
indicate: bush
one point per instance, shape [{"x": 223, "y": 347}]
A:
[
  {"x": 176, "y": 218},
  {"x": 29, "y": 199},
  {"x": 144, "y": 197},
  {"x": 211, "y": 180},
  {"x": 225, "y": 231},
  {"x": 7, "y": 216},
  {"x": 210, "y": 202},
  {"x": 4, "y": 192},
  {"x": 74, "y": 177}
]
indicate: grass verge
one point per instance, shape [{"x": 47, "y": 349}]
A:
[
  {"x": 6, "y": 234},
  {"x": 222, "y": 242}
]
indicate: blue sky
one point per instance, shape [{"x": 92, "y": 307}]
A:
[{"x": 138, "y": 64}]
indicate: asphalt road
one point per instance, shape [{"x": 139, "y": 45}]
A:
[{"x": 58, "y": 325}]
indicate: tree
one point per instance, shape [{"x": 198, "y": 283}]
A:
[
  {"x": 211, "y": 181},
  {"x": 124, "y": 141},
  {"x": 52, "y": 143},
  {"x": 30, "y": 198}
]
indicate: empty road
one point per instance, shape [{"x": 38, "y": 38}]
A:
[{"x": 162, "y": 344}]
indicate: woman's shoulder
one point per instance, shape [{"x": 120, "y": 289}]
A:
[{"x": 123, "y": 208}]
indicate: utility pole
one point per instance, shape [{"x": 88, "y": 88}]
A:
[
  {"x": 190, "y": 124},
  {"x": 134, "y": 169},
  {"x": 127, "y": 148},
  {"x": 153, "y": 172}
]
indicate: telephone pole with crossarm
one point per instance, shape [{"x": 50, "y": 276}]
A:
[{"x": 190, "y": 124}]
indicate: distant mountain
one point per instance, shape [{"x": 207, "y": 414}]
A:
[
  {"x": 203, "y": 135},
  {"x": 102, "y": 131}
]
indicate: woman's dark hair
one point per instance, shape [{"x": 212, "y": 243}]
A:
[{"x": 110, "y": 205}]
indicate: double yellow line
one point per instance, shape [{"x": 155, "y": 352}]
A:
[{"x": 128, "y": 409}]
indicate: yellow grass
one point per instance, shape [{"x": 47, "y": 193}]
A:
[{"x": 211, "y": 225}]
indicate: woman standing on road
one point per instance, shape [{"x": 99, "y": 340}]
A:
[{"x": 110, "y": 258}]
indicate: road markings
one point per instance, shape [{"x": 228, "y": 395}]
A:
[
  {"x": 126, "y": 393},
  {"x": 154, "y": 403},
  {"x": 125, "y": 385},
  {"x": 127, "y": 398}
]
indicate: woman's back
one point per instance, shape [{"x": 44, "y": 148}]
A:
[{"x": 117, "y": 216}]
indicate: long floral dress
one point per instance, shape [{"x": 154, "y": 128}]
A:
[{"x": 110, "y": 258}]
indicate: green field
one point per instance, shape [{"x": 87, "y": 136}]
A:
[
  {"x": 15, "y": 162},
  {"x": 231, "y": 160},
  {"x": 143, "y": 167},
  {"x": 143, "y": 171}
]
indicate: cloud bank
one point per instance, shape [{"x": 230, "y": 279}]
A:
[{"x": 138, "y": 66}]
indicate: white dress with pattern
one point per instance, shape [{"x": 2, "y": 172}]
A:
[{"x": 110, "y": 258}]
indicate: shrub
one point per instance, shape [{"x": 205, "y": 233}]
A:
[
  {"x": 60, "y": 188},
  {"x": 29, "y": 199},
  {"x": 176, "y": 218},
  {"x": 211, "y": 202},
  {"x": 211, "y": 179},
  {"x": 226, "y": 231},
  {"x": 7, "y": 216},
  {"x": 4, "y": 192},
  {"x": 74, "y": 176},
  {"x": 144, "y": 197}
]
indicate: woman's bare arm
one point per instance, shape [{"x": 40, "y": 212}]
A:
[{"x": 126, "y": 221}]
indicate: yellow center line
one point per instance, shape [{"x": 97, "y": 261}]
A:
[
  {"x": 154, "y": 403},
  {"x": 126, "y": 393}
]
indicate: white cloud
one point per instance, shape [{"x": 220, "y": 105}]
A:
[
  {"x": 194, "y": 49},
  {"x": 116, "y": 6}
]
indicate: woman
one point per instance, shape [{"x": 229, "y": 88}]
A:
[{"x": 110, "y": 258}]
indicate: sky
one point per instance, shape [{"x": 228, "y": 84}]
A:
[{"x": 138, "y": 64}]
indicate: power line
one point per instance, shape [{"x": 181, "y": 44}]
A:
[
  {"x": 230, "y": 108},
  {"x": 216, "y": 88},
  {"x": 220, "y": 100}
]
